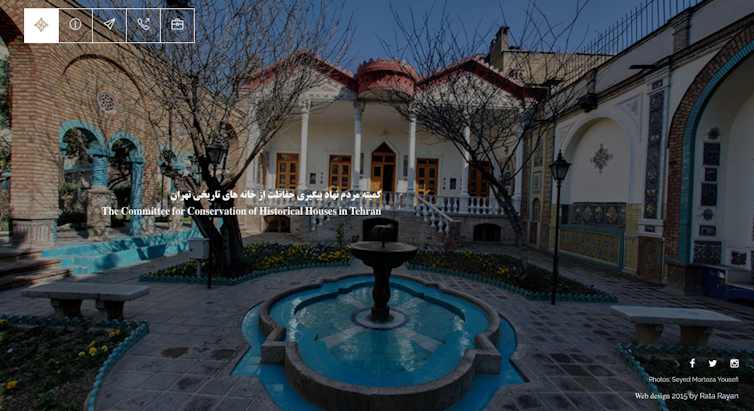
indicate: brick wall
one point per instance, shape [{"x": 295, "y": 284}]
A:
[
  {"x": 681, "y": 153},
  {"x": 55, "y": 83}
]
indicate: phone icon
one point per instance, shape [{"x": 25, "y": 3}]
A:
[{"x": 144, "y": 24}]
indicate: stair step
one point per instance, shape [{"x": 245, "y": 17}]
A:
[
  {"x": 739, "y": 276},
  {"x": 8, "y": 282},
  {"x": 745, "y": 286},
  {"x": 11, "y": 255},
  {"x": 23, "y": 266}
]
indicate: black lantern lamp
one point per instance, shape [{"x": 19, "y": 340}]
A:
[
  {"x": 216, "y": 152},
  {"x": 559, "y": 170}
]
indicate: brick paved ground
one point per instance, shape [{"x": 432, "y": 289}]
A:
[{"x": 195, "y": 339}]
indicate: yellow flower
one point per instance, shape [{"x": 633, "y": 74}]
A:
[
  {"x": 91, "y": 344},
  {"x": 81, "y": 354},
  {"x": 11, "y": 385},
  {"x": 111, "y": 335},
  {"x": 117, "y": 332},
  {"x": 103, "y": 348},
  {"x": 92, "y": 351},
  {"x": 3, "y": 322}
]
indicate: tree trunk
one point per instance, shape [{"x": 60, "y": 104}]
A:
[
  {"x": 226, "y": 242},
  {"x": 506, "y": 201},
  {"x": 234, "y": 257}
]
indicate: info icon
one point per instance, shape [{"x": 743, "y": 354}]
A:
[{"x": 734, "y": 363}]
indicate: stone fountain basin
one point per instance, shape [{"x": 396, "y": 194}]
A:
[
  {"x": 372, "y": 252},
  {"x": 334, "y": 395}
]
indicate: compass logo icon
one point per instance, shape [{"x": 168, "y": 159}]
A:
[{"x": 41, "y": 24}]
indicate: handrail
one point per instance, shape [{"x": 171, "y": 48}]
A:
[{"x": 421, "y": 199}]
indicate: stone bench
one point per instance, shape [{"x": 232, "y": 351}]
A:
[
  {"x": 696, "y": 324},
  {"x": 66, "y": 297}
]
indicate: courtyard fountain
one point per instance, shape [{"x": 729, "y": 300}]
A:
[
  {"x": 339, "y": 353},
  {"x": 382, "y": 259}
]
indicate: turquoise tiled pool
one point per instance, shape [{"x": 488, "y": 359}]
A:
[
  {"x": 88, "y": 258},
  {"x": 425, "y": 340}
]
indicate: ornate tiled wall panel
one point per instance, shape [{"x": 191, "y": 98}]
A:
[
  {"x": 652, "y": 180},
  {"x": 598, "y": 246},
  {"x": 612, "y": 215},
  {"x": 708, "y": 252}
]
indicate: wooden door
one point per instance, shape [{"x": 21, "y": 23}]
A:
[
  {"x": 478, "y": 187},
  {"x": 426, "y": 176},
  {"x": 287, "y": 167},
  {"x": 340, "y": 173},
  {"x": 383, "y": 169}
]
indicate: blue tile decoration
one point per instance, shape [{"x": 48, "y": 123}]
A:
[
  {"x": 709, "y": 195},
  {"x": 688, "y": 158},
  {"x": 611, "y": 215},
  {"x": 99, "y": 173},
  {"x": 654, "y": 147},
  {"x": 285, "y": 397},
  {"x": 711, "y": 154},
  {"x": 625, "y": 356},
  {"x": 708, "y": 252},
  {"x": 138, "y": 331},
  {"x": 707, "y": 214},
  {"x": 137, "y": 172},
  {"x": 600, "y": 246},
  {"x": 713, "y": 285},
  {"x": 538, "y": 156},
  {"x": 89, "y": 258}
]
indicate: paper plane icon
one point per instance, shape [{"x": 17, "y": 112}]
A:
[{"x": 110, "y": 23}]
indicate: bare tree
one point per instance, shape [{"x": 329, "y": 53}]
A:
[
  {"x": 5, "y": 114},
  {"x": 485, "y": 112},
  {"x": 236, "y": 86}
]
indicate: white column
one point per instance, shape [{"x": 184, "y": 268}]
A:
[
  {"x": 356, "y": 163},
  {"x": 251, "y": 143},
  {"x": 305, "y": 105},
  {"x": 518, "y": 179},
  {"x": 465, "y": 172},
  {"x": 411, "y": 154}
]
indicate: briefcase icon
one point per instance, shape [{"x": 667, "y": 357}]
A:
[{"x": 176, "y": 24}]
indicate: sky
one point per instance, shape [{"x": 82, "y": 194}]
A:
[{"x": 373, "y": 19}]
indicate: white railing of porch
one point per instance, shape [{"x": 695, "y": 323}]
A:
[
  {"x": 389, "y": 201},
  {"x": 473, "y": 205}
]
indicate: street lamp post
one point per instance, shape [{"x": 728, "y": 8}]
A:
[
  {"x": 215, "y": 152},
  {"x": 559, "y": 170}
]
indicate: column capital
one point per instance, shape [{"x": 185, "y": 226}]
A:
[
  {"x": 359, "y": 107},
  {"x": 305, "y": 105}
]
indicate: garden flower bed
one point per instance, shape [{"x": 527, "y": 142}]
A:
[
  {"x": 266, "y": 258},
  {"x": 500, "y": 270},
  {"x": 55, "y": 364},
  {"x": 673, "y": 385}
]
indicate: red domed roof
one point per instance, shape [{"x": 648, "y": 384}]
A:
[{"x": 387, "y": 75}]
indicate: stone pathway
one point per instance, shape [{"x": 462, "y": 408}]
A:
[{"x": 195, "y": 339}]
